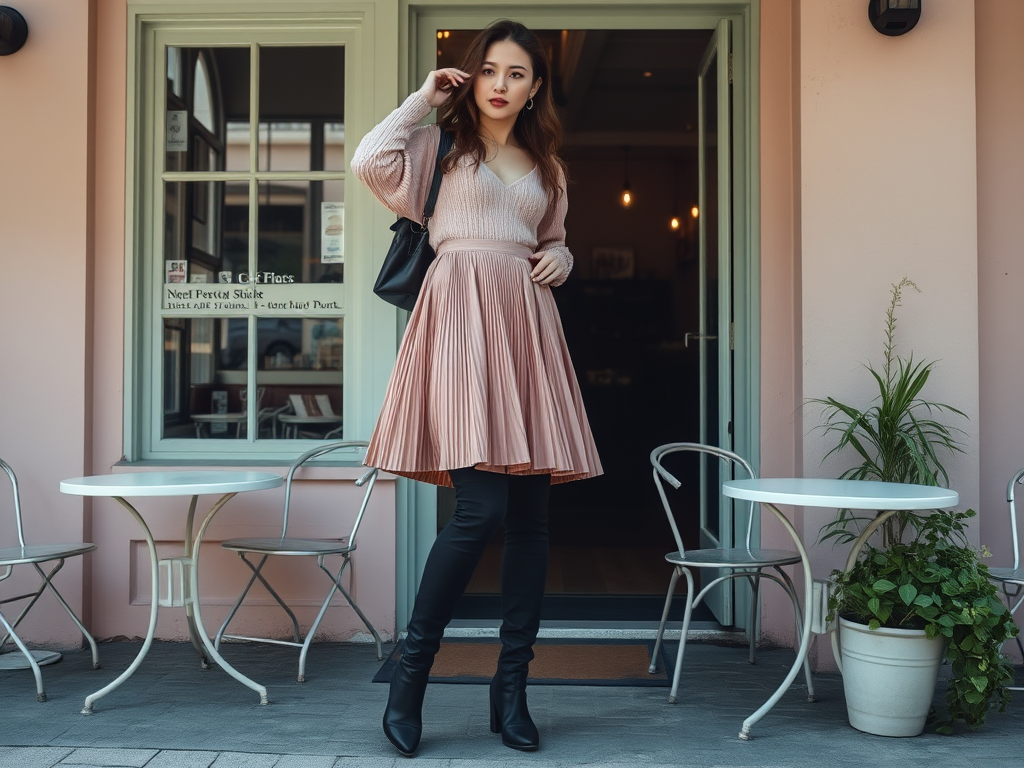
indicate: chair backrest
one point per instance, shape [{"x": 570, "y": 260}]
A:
[
  {"x": 369, "y": 478},
  {"x": 17, "y": 500},
  {"x": 1015, "y": 480},
  {"x": 662, "y": 474}
]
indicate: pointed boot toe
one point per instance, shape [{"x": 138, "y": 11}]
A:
[
  {"x": 403, "y": 716},
  {"x": 404, "y": 736}
]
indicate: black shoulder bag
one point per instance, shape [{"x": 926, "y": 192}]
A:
[{"x": 405, "y": 266}]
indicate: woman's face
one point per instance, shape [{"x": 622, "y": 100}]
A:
[{"x": 505, "y": 81}]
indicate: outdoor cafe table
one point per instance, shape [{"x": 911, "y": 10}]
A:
[
  {"x": 838, "y": 494},
  {"x": 181, "y": 570}
]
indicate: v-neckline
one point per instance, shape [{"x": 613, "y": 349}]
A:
[{"x": 508, "y": 186}]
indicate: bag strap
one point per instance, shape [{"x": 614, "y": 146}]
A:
[{"x": 444, "y": 146}]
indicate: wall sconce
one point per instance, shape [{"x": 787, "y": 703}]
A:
[
  {"x": 894, "y": 17},
  {"x": 627, "y": 194},
  {"x": 13, "y": 30}
]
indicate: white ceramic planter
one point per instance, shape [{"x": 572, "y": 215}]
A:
[{"x": 889, "y": 677}]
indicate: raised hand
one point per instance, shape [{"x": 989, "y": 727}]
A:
[{"x": 438, "y": 86}]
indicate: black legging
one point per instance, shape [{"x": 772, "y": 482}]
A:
[{"x": 483, "y": 502}]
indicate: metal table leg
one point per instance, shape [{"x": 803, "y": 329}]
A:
[
  {"x": 91, "y": 699},
  {"x": 805, "y": 636},
  {"x": 196, "y": 615}
]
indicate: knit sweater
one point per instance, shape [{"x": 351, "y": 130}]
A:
[{"x": 396, "y": 161}]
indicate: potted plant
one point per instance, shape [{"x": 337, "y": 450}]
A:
[{"x": 923, "y": 593}]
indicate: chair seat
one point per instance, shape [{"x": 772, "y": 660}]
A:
[
  {"x": 1006, "y": 574},
  {"x": 42, "y": 553},
  {"x": 296, "y": 547},
  {"x": 733, "y": 558}
]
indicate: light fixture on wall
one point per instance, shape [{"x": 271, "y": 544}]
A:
[
  {"x": 627, "y": 193},
  {"x": 13, "y": 30},
  {"x": 894, "y": 17}
]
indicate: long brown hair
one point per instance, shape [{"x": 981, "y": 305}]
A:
[{"x": 537, "y": 130}]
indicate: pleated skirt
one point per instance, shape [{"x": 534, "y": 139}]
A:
[{"x": 483, "y": 377}]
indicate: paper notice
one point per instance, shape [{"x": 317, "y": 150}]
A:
[
  {"x": 176, "y": 271},
  {"x": 177, "y": 131},
  {"x": 332, "y": 233}
]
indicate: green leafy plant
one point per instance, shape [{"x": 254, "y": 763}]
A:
[
  {"x": 898, "y": 437},
  {"x": 937, "y": 583}
]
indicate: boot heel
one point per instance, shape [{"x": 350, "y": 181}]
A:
[{"x": 496, "y": 713}]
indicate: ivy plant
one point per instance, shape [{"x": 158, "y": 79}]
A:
[{"x": 936, "y": 582}]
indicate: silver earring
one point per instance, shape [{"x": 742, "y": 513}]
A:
[{"x": 529, "y": 104}]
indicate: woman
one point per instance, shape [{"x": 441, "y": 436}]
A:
[{"x": 483, "y": 396}]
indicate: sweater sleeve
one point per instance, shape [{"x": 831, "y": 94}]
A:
[
  {"x": 551, "y": 233},
  {"x": 395, "y": 160}
]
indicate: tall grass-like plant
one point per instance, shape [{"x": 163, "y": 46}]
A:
[{"x": 898, "y": 437}]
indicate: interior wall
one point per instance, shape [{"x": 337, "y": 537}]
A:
[
  {"x": 888, "y": 173},
  {"x": 45, "y": 249},
  {"x": 1000, "y": 88}
]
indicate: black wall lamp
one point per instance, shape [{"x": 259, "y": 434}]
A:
[
  {"x": 894, "y": 17},
  {"x": 13, "y": 30}
]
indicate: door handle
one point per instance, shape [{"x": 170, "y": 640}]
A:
[{"x": 686, "y": 337}]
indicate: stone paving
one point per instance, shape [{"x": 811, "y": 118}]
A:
[{"x": 173, "y": 714}]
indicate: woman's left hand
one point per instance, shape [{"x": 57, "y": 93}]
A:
[{"x": 547, "y": 268}]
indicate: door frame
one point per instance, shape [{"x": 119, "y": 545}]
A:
[{"x": 416, "y": 514}]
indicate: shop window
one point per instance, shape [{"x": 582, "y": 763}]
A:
[{"x": 245, "y": 295}]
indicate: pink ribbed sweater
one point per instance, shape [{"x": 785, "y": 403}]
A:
[{"x": 483, "y": 376}]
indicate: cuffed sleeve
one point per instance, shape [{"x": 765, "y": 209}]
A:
[{"x": 551, "y": 233}]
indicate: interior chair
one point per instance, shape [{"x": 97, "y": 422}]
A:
[
  {"x": 37, "y": 555},
  {"x": 732, "y": 563},
  {"x": 321, "y": 549},
  {"x": 1011, "y": 580}
]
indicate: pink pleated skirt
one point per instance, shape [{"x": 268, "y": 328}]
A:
[{"x": 483, "y": 377}]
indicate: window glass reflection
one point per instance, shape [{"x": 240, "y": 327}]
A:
[
  {"x": 200, "y": 399},
  {"x": 301, "y": 232},
  {"x": 301, "y": 369},
  {"x": 206, "y": 232},
  {"x": 207, "y": 91}
]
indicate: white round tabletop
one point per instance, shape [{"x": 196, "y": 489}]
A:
[
  {"x": 841, "y": 494},
  {"x": 185, "y": 483},
  {"x": 240, "y": 416}
]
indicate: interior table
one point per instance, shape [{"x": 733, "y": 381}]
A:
[
  {"x": 888, "y": 498},
  {"x": 292, "y": 422},
  {"x": 238, "y": 419},
  {"x": 182, "y": 573}
]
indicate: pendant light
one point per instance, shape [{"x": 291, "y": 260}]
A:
[{"x": 627, "y": 195}]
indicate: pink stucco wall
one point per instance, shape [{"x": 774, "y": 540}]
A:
[
  {"x": 1000, "y": 89},
  {"x": 45, "y": 253}
]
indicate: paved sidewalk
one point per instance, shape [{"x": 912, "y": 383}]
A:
[{"x": 172, "y": 714}]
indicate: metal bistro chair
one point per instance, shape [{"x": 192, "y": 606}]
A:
[
  {"x": 1012, "y": 579},
  {"x": 743, "y": 562},
  {"x": 36, "y": 555},
  {"x": 295, "y": 547}
]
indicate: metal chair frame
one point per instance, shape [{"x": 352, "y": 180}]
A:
[
  {"x": 747, "y": 563},
  {"x": 37, "y": 555},
  {"x": 1011, "y": 580},
  {"x": 296, "y": 547}
]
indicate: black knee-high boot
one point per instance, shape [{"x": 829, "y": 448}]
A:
[
  {"x": 481, "y": 499},
  {"x": 524, "y": 572}
]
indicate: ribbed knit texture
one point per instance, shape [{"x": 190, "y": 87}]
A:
[{"x": 483, "y": 376}]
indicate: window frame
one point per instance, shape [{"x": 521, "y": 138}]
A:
[{"x": 152, "y": 29}]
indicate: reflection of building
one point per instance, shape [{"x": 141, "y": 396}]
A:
[{"x": 827, "y": 209}]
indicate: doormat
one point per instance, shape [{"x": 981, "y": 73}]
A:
[{"x": 556, "y": 662}]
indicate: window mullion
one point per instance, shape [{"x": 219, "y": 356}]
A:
[{"x": 254, "y": 151}]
